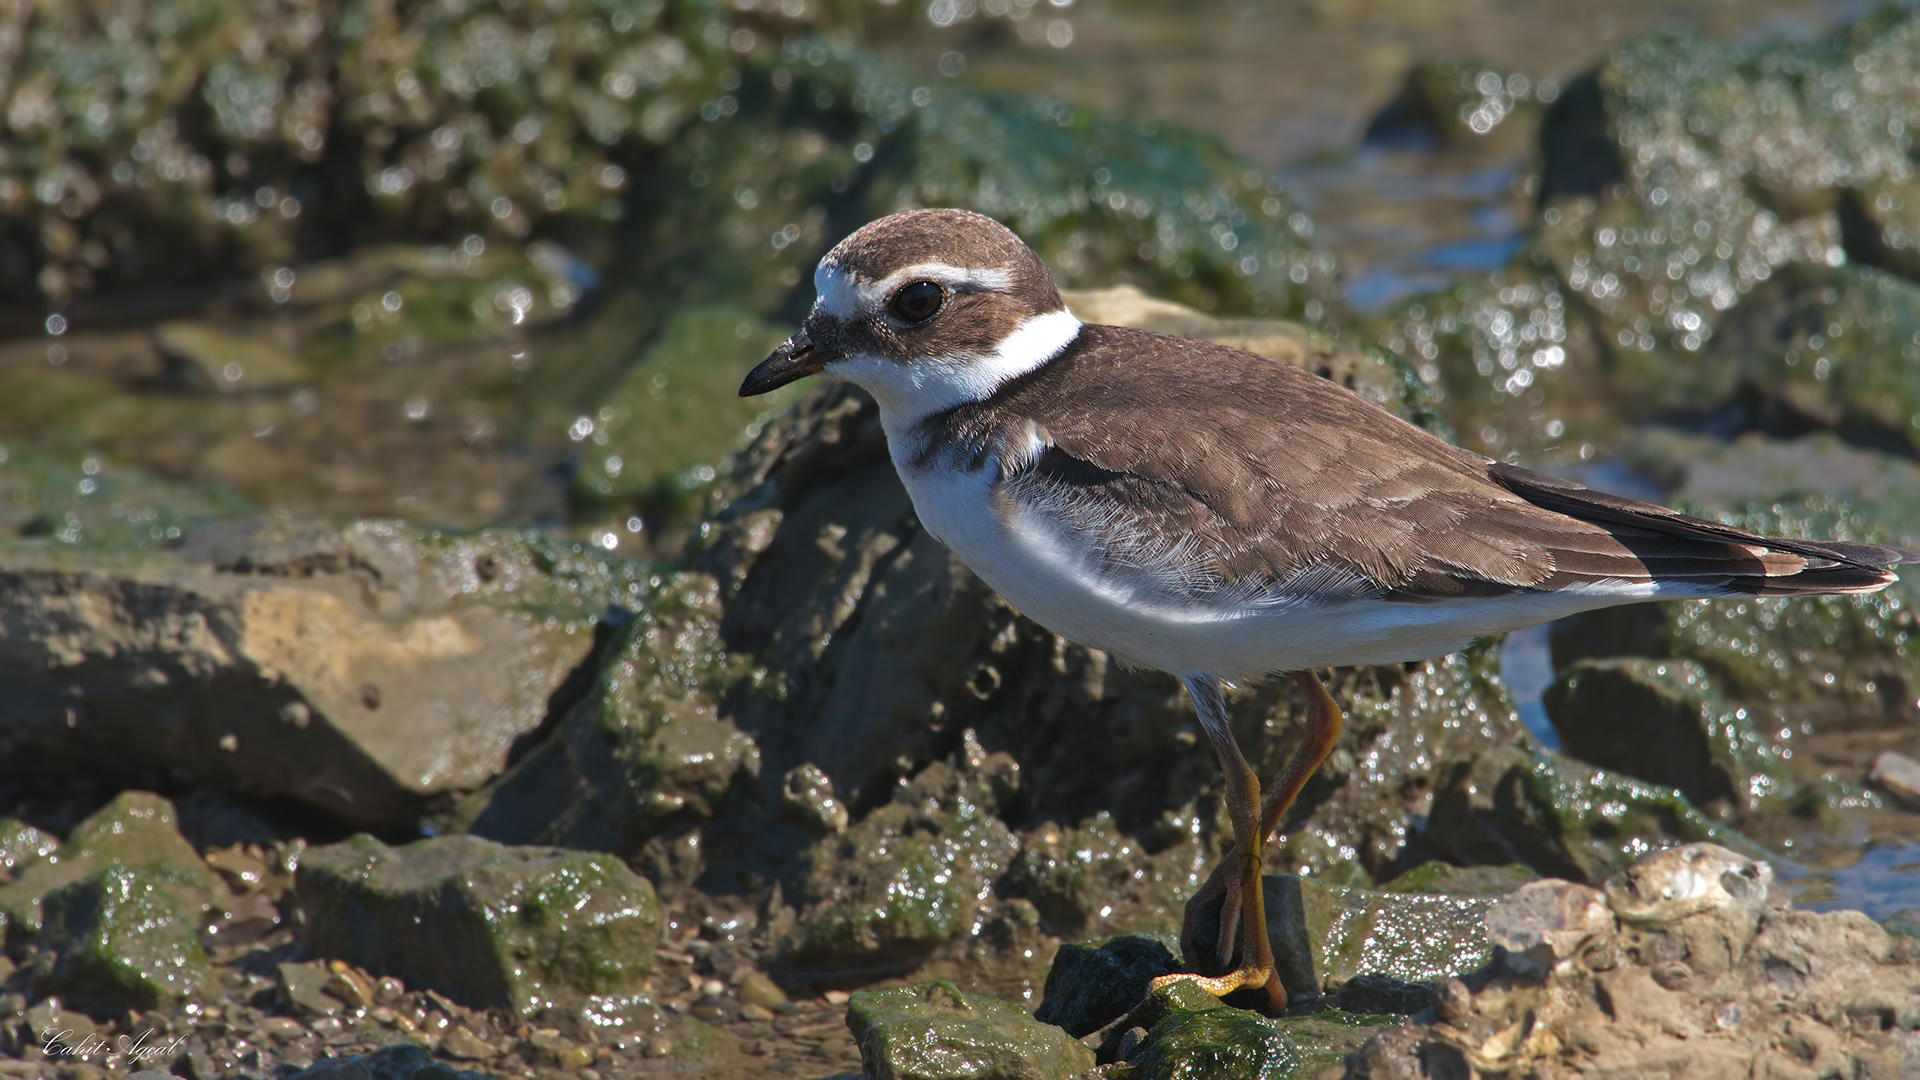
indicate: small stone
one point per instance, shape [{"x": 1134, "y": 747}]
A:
[
  {"x": 466, "y": 1046},
  {"x": 327, "y": 1026},
  {"x": 1899, "y": 776},
  {"x": 283, "y": 1029},
  {"x": 750, "y": 1011},
  {"x": 837, "y": 998},
  {"x": 576, "y": 1058},
  {"x": 348, "y": 985},
  {"x": 658, "y": 1047},
  {"x": 712, "y": 1014},
  {"x": 303, "y": 989},
  {"x": 713, "y": 987},
  {"x": 757, "y": 989}
]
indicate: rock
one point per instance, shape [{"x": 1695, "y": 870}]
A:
[
  {"x": 404, "y": 1061},
  {"x": 21, "y": 843},
  {"x": 1804, "y": 666},
  {"x": 303, "y": 989},
  {"x": 464, "y": 1045},
  {"x": 1681, "y": 965},
  {"x": 50, "y": 1022},
  {"x": 807, "y": 800},
  {"x": 207, "y": 357},
  {"x": 1434, "y": 876},
  {"x": 642, "y": 751},
  {"x": 1666, "y": 723},
  {"x": 1192, "y": 1033},
  {"x": 363, "y": 670},
  {"x": 932, "y": 1031},
  {"x": 1557, "y": 815},
  {"x": 674, "y": 412},
  {"x": 1899, "y": 776},
  {"x": 135, "y": 831},
  {"x": 125, "y": 937},
  {"x": 757, "y": 989},
  {"x": 885, "y": 894},
  {"x": 1092, "y": 983},
  {"x": 518, "y": 928},
  {"x": 1905, "y": 921},
  {"x": 1462, "y": 105}
]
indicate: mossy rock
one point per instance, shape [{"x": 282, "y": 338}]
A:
[
  {"x": 136, "y": 831},
  {"x": 1434, "y": 876},
  {"x": 1093, "y": 982},
  {"x": 517, "y": 928},
  {"x": 932, "y": 1031},
  {"x": 1666, "y": 723},
  {"x": 643, "y": 750},
  {"x": 124, "y": 937},
  {"x": 1192, "y": 1035}
]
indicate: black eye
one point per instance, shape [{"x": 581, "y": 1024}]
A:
[{"x": 918, "y": 300}]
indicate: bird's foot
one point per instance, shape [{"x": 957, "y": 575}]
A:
[{"x": 1245, "y": 978}]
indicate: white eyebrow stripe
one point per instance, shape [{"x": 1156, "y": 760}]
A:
[{"x": 846, "y": 295}]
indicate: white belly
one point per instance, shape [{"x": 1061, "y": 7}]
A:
[{"x": 1042, "y": 573}]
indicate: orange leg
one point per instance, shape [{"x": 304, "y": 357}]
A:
[{"x": 1241, "y": 892}]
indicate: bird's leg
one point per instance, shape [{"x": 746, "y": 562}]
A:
[
  {"x": 1323, "y": 722},
  {"x": 1244, "y": 807}
]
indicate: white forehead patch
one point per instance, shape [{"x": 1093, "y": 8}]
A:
[{"x": 846, "y": 295}]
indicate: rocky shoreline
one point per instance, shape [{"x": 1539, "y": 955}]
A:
[{"x": 730, "y": 770}]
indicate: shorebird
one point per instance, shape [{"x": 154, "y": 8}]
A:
[{"x": 1222, "y": 516}]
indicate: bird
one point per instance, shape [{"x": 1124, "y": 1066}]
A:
[{"x": 1222, "y": 516}]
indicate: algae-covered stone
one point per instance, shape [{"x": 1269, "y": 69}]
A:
[
  {"x": 1434, "y": 876},
  {"x": 365, "y": 670},
  {"x": 1808, "y": 662},
  {"x": 932, "y": 1031},
  {"x": 1820, "y": 348},
  {"x": 1666, "y": 723},
  {"x": 518, "y": 928},
  {"x": 906, "y": 879},
  {"x": 1192, "y": 1034},
  {"x": 642, "y": 750},
  {"x": 1561, "y": 817},
  {"x": 21, "y": 843},
  {"x": 137, "y": 831},
  {"x": 1412, "y": 937},
  {"x": 124, "y": 937},
  {"x": 1093, "y": 982}
]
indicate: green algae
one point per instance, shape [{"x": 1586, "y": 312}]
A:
[
  {"x": 124, "y": 936},
  {"x": 78, "y": 500},
  {"x": 525, "y": 929},
  {"x": 1191, "y": 1035},
  {"x": 933, "y": 1031}
]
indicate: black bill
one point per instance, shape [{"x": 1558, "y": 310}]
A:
[{"x": 795, "y": 359}]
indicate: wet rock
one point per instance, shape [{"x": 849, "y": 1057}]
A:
[
  {"x": 1666, "y": 723},
  {"x": 1093, "y": 983},
  {"x": 524, "y": 929},
  {"x": 931, "y": 1031},
  {"x": 74, "y": 499},
  {"x": 807, "y": 800},
  {"x": 643, "y": 750},
  {"x": 1718, "y": 475},
  {"x": 903, "y": 881},
  {"x": 303, "y": 989},
  {"x": 135, "y": 831},
  {"x": 404, "y": 1061},
  {"x": 363, "y": 670},
  {"x": 1899, "y": 776},
  {"x": 1192, "y": 1033},
  {"x": 206, "y": 357},
  {"x": 21, "y": 843},
  {"x": 1687, "y": 962},
  {"x": 1557, "y": 815},
  {"x": 1798, "y": 666},
  {"x": 654, "y": 443},
  {"x": 1434, "y": 876},
  {"x": 1461, "y": 104},
  {"x": 125, "y": 937}
]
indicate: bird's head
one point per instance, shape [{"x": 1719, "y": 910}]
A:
[{"x": 925, "y": 309}]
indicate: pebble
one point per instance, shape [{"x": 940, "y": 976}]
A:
[
  {"x": 658, "y": 1047},
  {"x": 756, "y": 1012},
  {"x": 757, "y": 989},
  {"x": 838, "y": 997},
  {"x": 465, "y": 1045},
  {"x": 713, "y": 987},
  {"x": 712, "y": 1014},
  {"x": 1899, "y": 776}
]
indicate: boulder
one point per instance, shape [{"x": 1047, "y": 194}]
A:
[
  {"x": 932, "y": 1031},
  {"x": 1091, "y": 983},
  {"x": 366, "y": 670},
  {"x": 124, "y": 937},
  {"x": 519, "y": 928},
  {"x": 1183, "y": 1031}
]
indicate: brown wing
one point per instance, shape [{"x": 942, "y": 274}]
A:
[{"x": 1289, "y": 480}]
